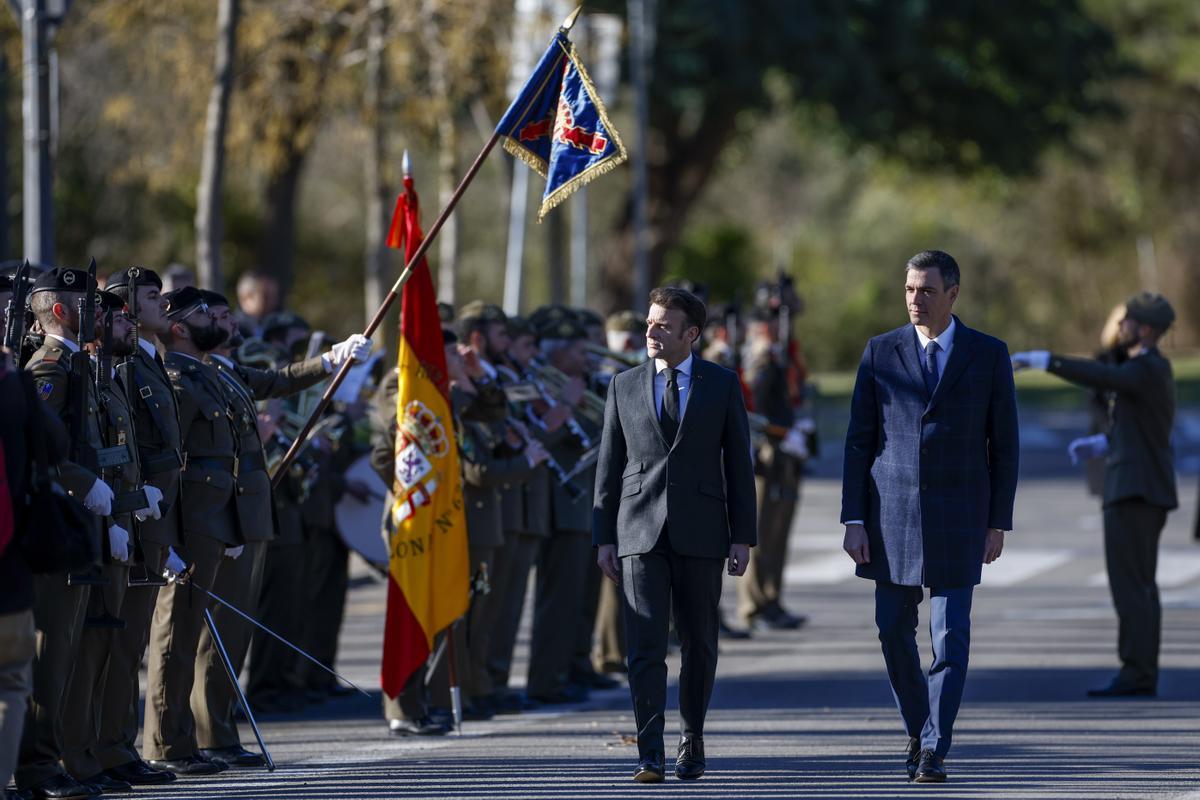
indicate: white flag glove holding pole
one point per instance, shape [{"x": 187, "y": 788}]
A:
[
  {"x": 174, "y": 564},
  {"x": 1086, "y": 448},
  {"x": 118, "y": 543},
  {"x": 356, "y": 348},
  {"x": 154, "y": 509},
  {"x": 234, "y": 552},
  {"x": 1031, "y": 359},
  {"x": 99, "y": 499}
]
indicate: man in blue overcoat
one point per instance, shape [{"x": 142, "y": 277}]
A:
[{"x": 928, "y": 486}]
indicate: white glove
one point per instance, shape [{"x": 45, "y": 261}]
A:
[
  {"x": 795, "y": 443},
  {"x": 234, "y": 552},
  {"x": 1088, "y": 447},
  {"x": 356, "y": 348},
  {"x": 1031, "y": 359},
  {"x": 174, "y": 564},
  {"x": 153, "y": 510},
  {"x": 118, "y": 543},
  {"x": 99, "y": 499}
]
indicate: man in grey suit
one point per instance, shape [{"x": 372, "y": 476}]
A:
[
  {"x": 674, "y": 498},
  {"x": 1139, "y": 479},
  {"x": 928, "y": 486}
]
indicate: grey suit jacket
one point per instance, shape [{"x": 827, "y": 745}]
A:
[
  {"x": 702, "y": 484},
  {"x": 1140, "y": 463}
]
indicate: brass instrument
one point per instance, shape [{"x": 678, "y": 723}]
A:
[
  {"x": 761, "y": 426},
  {"x": 555, "y": 380}
]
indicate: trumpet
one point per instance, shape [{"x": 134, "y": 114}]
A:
[
  {"x": 555, "y": 380},
  {"x": 561, "y": 475},
  {"x": 626, "y": 359}
]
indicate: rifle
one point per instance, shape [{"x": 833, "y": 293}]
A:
[{"x": 14, "y": 325}]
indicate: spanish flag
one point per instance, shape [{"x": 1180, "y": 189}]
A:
[{"x": 428, "y": 576}]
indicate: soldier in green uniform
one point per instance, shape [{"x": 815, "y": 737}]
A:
[
  {"x": 565, "y": 557},
  {"x": 93, "y": 666},
  {"x": 1139, "y": 480},
  {"x": 777, "y": 478},
  {"x": 240, "y": 579},
  {"x": 59, "y": 609},
  {"x": 156, "y": 431}
]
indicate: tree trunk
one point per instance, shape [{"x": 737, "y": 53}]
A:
[
  {"x": 209, "y": 228},
  {"x": 447, "y": 134},
  {"x": 277, "y": 250},
  {"x": 375, "y": 280}
]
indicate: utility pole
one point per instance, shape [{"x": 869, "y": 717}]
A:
[{"x": 39, "y": 18}]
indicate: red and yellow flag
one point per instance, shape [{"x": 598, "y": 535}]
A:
[{"x": 428, "y": 574}]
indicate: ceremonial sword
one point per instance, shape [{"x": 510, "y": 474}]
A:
[{"x": 184, "y": 578}]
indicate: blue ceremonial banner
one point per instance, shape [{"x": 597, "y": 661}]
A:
[{"x": 558, "y": 125}]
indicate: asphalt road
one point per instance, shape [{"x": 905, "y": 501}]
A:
[{"x": 809, "y": 713}]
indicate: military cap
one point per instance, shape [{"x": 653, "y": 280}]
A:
[
  {"x": 567, "y": 329},
  {"x": 1150, "y": 309},
  {"x": 109, "y": 301},
  {"x": 445, "y": 312},
  {"x": 588, "y": 318},
  {"x": 281, "y": 321},
  {"x": 626, "y": 322},
  {"x": 488, "y": 312},
  {"x": 61, "y": 279},
  {"x": 214, "y": 298},
  {"x": 145, "y": 277},
  {"x": 182, "y": 302},
  {"x": 449, "y": 336},
  {"x": 547, "y": 316},
  {"x": 519, "y": 326}
]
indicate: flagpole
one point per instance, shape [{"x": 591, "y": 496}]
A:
[{"x": 377, "y": 320}]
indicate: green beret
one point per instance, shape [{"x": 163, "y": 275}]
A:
[
  {"x": 477, "y": 309},
  {"x": 588, "y": 318},
  {"x": 519, "y": 326},
  {"x": 567, "y": 329},
  {"x": 626, "y": 322},
  {"x": 1150, "y": 309}
]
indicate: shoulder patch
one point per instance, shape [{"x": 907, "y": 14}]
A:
[{"x": 45, "y": 390}]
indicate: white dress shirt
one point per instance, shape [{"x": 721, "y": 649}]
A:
[
  {"x": 945, "y": 341},
  {"x": 684, "y": 379},
  {"x": 148, "y": 347},
  {"x": 70, "y": 344}
]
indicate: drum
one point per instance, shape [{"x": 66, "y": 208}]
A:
[{"x": 359, "y": 524}]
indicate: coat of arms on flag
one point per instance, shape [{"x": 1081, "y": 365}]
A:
[{"x": 558, "y": 125}]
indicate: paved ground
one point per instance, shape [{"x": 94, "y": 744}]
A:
[{"x": 809, "y": 714}]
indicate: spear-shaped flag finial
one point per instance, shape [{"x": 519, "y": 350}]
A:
[
  {"x": 406, "y": 164},
  {"x": 569, "y": 22}
]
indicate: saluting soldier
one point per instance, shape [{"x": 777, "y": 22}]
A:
[
  {"x": 156, "y": 432},
  {"x": 777, "y": 478},
  {"x": 59, "y": 609},
  {"x": 93, "y": 667},
  {"x": 240, "y": 579}
]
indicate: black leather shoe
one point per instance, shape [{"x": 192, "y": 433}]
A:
[
  {"x": 192, "y": 765},
  {"x": 417, "y": 727},
  {"x": 234, "y": 756},
  {"x": 442, "y": 716},
  {"x": 689, "y": 763},
  {"x": 650, "y": 769},
  {"x": 512, "y": 703},
  {"x": 726, "y": 631},
  {"x": 912, "y": 756},
  {"x": 779, "y": 620},
  {"x": 1117, "y": 689},
  {"x": 931, "y": 769},
  {"x": 478, "y": 709},
  {"x": 107, "y": 783},
  {"x": 139, "y": 773},
  {"x": 61, "y": 787}
]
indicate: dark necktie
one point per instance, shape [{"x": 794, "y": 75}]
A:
[
  {"x": 670, "y": 406},
  {"x": 931, "y": 369}
]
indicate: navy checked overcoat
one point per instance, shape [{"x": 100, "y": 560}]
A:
[{"x": 929, "y": 475}]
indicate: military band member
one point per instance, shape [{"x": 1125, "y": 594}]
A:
[{"x": 59, "y": 609}]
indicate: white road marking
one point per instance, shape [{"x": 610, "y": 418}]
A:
[{"x": 1015, "y": 566}]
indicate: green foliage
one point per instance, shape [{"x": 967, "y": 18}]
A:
[{"x": 723, "y": 258}]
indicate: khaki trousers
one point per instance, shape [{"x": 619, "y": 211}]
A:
[
  {"x": 17, "y": 643},
  {"x": 86, "y": 690},
  {"x": 117, "y": 739},
  {"x": 213, "y": 698},
  {"x": 170, "y": 730},
  {"x": 558, "y": 607},
  {"x": 761, "y": 588},
  {"x": 512, "y": 566},
  {"x": 58, "y": 612}
]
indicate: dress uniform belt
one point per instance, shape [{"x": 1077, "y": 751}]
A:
[
  {"x": 252, "y": 462},
  {"x": 218, "y": 463},
  {"x": 161, "y": 461}
]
